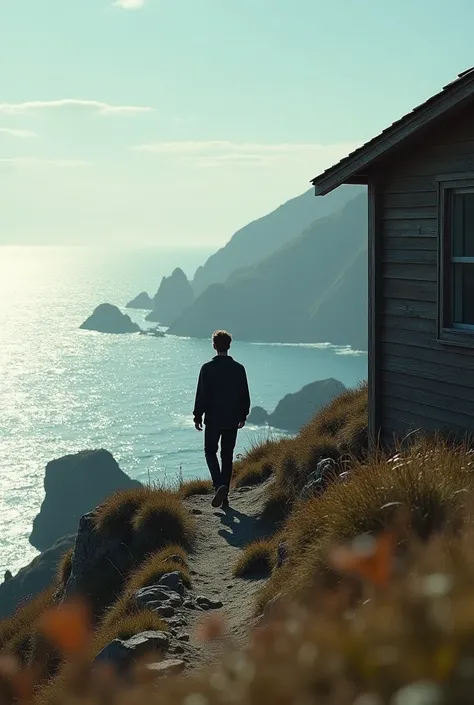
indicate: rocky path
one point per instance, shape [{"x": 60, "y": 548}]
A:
[{"x": 221, "y": 538}]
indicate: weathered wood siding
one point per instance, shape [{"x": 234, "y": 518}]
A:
[{"x": 422, "y": 383}]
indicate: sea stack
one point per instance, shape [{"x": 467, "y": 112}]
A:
[
  {"x": 143, "y": 302},
  {"x": 109, "y": 319},
  {"x": 173, "y": 297}
]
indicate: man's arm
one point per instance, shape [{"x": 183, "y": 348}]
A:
[
  {"x": 200, "y": 401},
  {"x": 245, "y": 398}
]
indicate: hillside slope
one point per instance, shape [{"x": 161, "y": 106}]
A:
[
  {"x": 266, "y": 235},
  {"x": 314, "y": 289}
]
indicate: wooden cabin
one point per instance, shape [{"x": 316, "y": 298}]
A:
[{"x": 420, "y": 178}]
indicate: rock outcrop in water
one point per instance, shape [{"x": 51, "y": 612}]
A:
[
  {"x": 75, "y": 485},
  {"x": 33, "y": 578},
  {"x": 295, "y": 410},
  {"x": 174, "y": 296},
  {"x": 142, "y": 302},
  {"x": 109, "y": 319}
]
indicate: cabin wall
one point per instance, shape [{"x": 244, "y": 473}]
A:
[{"x": 421, "y": 383}]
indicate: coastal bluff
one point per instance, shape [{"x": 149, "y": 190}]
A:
[{"x": 74, "y": 485}]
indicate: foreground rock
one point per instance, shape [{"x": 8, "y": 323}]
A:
[
  {"x": 143, "y": 302},
  {"x": 326, "y": 471},
  {"x": 109, "y": 319},
  {"x": 296, "y": 410},
  {"x": 75, "y": 485},
  {"x": 173, "y": 297},
  {"x": 170, "y": 667},
  {"x": 98, "y": 566},
  {"x": 33, "y": 579},
  {"x": 123, "y": 653}
]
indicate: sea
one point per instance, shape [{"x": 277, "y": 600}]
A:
[{"x": 63, "y": 389}]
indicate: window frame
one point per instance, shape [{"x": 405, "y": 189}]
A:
[{"x": 448, "y": 332}]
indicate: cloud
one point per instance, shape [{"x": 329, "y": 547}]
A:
[
  {"x": 215, "y": 153},
  {"x": 22, "y": 134},
  {"x": 95, "y": 105},
  {"x": 28, "y": 162},
  {"x": 129, "y": 4}
]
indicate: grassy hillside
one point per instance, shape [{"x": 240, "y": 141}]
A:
[
  {"x": 313, "y": 289},
  {"x": 421, "y": 492},
  {"x": 266, "y": 235},
  {"x": 372, "y": 605}
]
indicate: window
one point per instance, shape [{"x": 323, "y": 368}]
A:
[{"x": 456, "y": 310}]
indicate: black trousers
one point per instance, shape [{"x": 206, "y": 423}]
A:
[{"x": 221, "y": 474}]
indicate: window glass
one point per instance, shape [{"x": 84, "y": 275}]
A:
[
  {"x": 462, "y": 224},
  {"x": 463, "y": 294}
]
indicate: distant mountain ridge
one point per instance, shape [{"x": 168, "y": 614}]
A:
[
  {"x": 312, "y": 289},
  {"x": 264, "y": 236}
]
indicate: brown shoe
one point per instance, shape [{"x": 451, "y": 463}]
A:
[{"x": 219, "y": 497}]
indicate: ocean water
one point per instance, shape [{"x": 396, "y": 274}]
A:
[{"x": 63, "y": 390}]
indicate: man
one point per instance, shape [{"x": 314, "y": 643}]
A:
[{"x": 223, "y": 399}]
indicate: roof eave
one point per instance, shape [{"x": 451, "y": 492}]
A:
[
  {"x": 324, "y": 186},
  {"x": 378, "y": 148}
]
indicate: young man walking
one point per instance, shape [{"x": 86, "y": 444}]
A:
[{"x": 223, "y": 401}]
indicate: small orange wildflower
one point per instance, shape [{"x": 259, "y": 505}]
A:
[
  {"x": 67, "y": 626},
  {"x": 374, "y": 565}
]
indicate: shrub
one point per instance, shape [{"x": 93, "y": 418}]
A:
[
  {"x": 256, "y": 464},
  {"x": 276, "y": 508},
  {"x": 195, "y": 487},
  {"x": 257, "y": 560},
  {"x": 254, "y": 473},
  {"x": 162, "y": 520},
  {"x": 115, "y": 517}
]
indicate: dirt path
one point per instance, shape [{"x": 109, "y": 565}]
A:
[{"x": 221, "y": 538}]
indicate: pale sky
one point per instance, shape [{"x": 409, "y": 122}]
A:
[{"x": 175, "y": 122}]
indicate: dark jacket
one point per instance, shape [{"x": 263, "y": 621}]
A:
[{"x": 222, "y": 394}]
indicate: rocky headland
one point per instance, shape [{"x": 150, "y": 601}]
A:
[{"x": 295, "y": 410}]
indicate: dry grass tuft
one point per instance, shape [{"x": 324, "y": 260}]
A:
[
  {"x": 257, "y": 464},
  {"x": 257, "y": 560},
  {"x": 65, "y": 567},
  {"x": 115, "y": 517},
  {"x": 171, "y": 559},
  {"x": 161, "y": 521},
  {"x": 195, "y": 487},
  {"x": 254, "y": 473}
]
